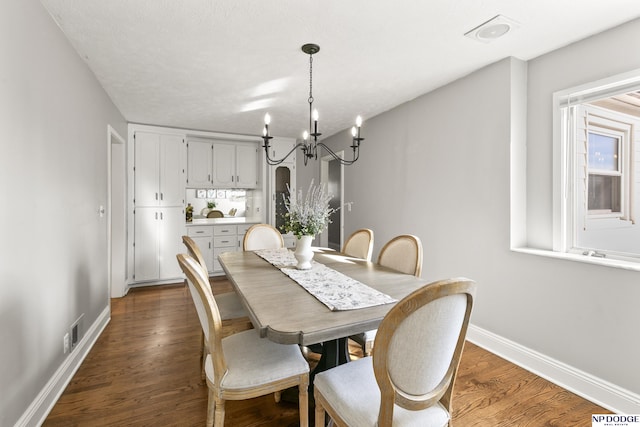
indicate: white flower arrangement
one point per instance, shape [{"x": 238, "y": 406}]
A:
[{"x": 308, "y": 215}]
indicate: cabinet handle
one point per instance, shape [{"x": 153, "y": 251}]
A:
[
  {"x": 161, "y": 216},
  {"x": 209, "y": 245},
  {"x": 209, "y": 177},
  {"x": 224, "y": 231},
  {"x": 161, "y": 196},
  {"x": 225, "y": 241},
  {"x": 199, "y": 232},
  {"x": 156, "y": 196},
  {"x": 231, "y": 178},
  {"x": 156, "y": 215}
]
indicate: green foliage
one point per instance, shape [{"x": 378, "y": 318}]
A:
[{"x": 308, "y": 215}]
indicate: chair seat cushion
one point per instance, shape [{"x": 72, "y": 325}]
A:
[
  {"x": 230, "y": 306},
  {"x": 351, "y": 389},
  {"x": 252, "y": 361}
]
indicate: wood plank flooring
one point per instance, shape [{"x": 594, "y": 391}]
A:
[{"x": 145, "y": 370}]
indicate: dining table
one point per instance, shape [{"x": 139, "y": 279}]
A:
[{"x": 285, "y": 312}]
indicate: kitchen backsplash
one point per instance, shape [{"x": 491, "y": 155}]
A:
[{"x": 225, "y": 200}]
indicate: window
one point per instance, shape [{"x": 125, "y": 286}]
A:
[
  {"x": 608, "y": 180},
  {"x": 599, "y": 158}
]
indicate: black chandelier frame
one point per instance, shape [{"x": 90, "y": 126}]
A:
[{"x": 311, "y": 146}]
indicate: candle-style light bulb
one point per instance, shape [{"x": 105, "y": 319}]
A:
[
  {"x": 305, "y": 136},
  {"x": 264, "y": 131},
  {"x": 353, "y": 131},
  {"x": 267, "y": 119},
  {"x": 358, "y": 121},
  {"x": 315, "y": 115}
]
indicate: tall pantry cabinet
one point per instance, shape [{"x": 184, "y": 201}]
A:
[{"x": 158, "y": 199}]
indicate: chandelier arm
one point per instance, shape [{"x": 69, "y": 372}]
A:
[{"x": 356, "y": 154}]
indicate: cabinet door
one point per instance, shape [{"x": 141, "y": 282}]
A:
[
  {"x": 199, "y": 164},
  {"x": 147, "y": 171},
  {"x": 205, "y": 244},
  {"x": 171, "y": 229},
  {"x": 224, "y": 162},
  {"x": 172, "y": 170},
  {"x": 246, "y": 166},
  {"x": 146, "y": 244}
]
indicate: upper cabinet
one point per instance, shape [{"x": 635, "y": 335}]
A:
[
  {"x": 199, "y": 163},
  {"x": 159, "y": 178},
  {"x": 222, "y": 164}
]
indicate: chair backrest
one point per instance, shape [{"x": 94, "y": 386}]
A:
[
  {"x": 215, "y": 214},
  {"x": 262, "y": 236},
  {"x": 208, "y": 313},
  {"x": 418, "y": 346},
  {"x": 402, "y": 253},
  {"x": 194, "y": 251},
  {"x": 359, "y": 244}
]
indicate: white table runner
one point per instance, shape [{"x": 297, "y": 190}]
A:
[{"x": 332, "y": 288}]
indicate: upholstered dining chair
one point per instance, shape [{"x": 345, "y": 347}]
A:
[
  {"x": 404, "y": 254},
  {"x": 243, "y": 365},
  {"x": 215, "y": 214},
  {"x": 359, "y": 244},
  {"x": 262, "y": 236},
  {"x": 410, "y": 377},
  {"x": 229, "y": 303}
]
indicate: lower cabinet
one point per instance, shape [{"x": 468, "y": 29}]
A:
[
  {"x": 214, "y": 240},
  {"x": 157, "y": 239},
  {"x": 203, "y": 236}
]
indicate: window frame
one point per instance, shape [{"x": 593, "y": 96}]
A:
[
  {"x": 565, "y": 165},
  {"x": 611, "y": 126}
]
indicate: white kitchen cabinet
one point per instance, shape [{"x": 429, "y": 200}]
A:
[
  {"x": 158, "y": 235},
  {"x": 214, "y": 240},
  {"x": 225, "y": 239},
  {"x": 235, "y": 165},
  {"x": 221, "y": 164},
  {"x": 159, "y": 171},
  {"x": 203, "y": 236},
  {"x": 199, "y": 163}
]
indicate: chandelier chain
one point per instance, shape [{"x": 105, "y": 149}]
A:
[{"x": 310, "y": 79}]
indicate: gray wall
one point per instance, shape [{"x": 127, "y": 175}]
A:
[
  {"x": 53, "y": 166},
  {"x": 439, "y": 167}
]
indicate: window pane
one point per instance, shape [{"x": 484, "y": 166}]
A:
[
  {"x": 603, "y": 152},
  {"x": 604, "y": 193}
]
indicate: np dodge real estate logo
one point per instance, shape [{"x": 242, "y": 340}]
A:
[{"x": 614, "y": 420}]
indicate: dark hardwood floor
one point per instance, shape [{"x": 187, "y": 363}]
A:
[{"x": 145, "y": 370}]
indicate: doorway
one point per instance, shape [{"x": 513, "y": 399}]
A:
[
  {"x": 332, "y": 175},
  {"x": 116, "y": 214}
]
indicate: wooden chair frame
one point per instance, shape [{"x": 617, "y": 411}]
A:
[
  {"x": 415, "y": 240},
  {"x": 218, "y": 394},
  {"x": 355, "y": 235},
  {"x": 389, "y": 393},
  {"x": 255, "y": 227}
]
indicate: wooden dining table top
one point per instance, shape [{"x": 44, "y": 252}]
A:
[{"x": 284, "y": 312}]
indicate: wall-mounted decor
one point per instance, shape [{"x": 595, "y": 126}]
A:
[{"x": 201, "y": 194}]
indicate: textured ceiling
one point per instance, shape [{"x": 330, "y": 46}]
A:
[{"x": 221, "y": 64}]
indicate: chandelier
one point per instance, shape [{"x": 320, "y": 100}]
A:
[{"x": 310, "y": 143}]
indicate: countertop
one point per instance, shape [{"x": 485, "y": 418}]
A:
[{"x": 224, "y": 221}]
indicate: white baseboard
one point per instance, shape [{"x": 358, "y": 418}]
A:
[
  {"x": 37, "y": 412},
  {"x": 596, "y": 390}
]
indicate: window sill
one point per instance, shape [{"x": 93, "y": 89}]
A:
[{"x": 607, "y": 262}]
